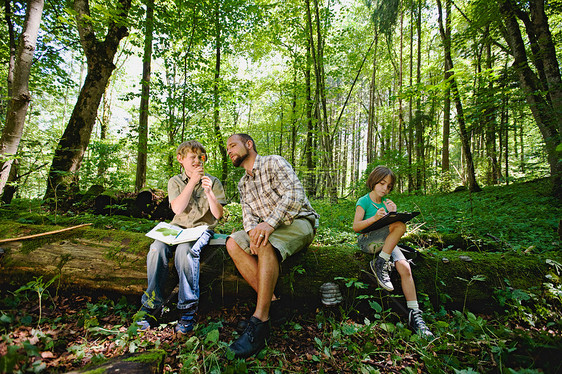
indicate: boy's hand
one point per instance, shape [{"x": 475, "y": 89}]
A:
[
  {"x": 197, "y": 175},
  {"x": 207, "y": 184},
  {"x": 390, "y": 206}
]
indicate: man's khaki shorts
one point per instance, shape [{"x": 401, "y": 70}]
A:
[{"x": 287, "y": 239}]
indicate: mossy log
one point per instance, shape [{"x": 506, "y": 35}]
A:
[
  {"x": 150, "y": 362},
  {"x": 114, "y": 262}
]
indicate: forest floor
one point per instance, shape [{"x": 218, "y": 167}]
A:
[{"x": 77, "y": 332}]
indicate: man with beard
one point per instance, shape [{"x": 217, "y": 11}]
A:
[{"x": 278, "y": 222}]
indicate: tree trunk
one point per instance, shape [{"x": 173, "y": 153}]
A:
[
  {"x": 142, "y": 155},
  {"x": 371, "y": 143},
  {"x": 19, "y": 102},
  {"x": 545, "y": 115},
  {"x": 12, "y": 56},
  {"x": 216, "y": 97},
  {"x": 548, "y": 57},
  {"x": 445, "y": 167},
  {"x": 104, "y": 127},
  {"x": 310, "y": 179},
  {"x": 490, "y": 118},
  {"x": 294, "y": 128},
  {"x": 464, "y": 134},
  {"x": 420, "y": 128},
  {"x": 63, "y": 175}
]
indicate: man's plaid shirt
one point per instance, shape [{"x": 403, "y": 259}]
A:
[{"x": 273, "y": 194}]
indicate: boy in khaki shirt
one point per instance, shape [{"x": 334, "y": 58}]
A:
[{"x": 196, "y": 198}]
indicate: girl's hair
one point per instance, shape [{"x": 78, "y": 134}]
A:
[
  {"x": 378, "y": 174},
  {"x": 191, "y": 146}
]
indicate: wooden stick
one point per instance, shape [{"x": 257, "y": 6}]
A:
[{"x": 43, "y": 234}]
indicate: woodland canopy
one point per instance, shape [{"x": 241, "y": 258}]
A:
[{"x": 446, "y": 93}]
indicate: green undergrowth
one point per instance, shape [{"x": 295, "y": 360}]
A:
[{"x": 519, "y": 217}]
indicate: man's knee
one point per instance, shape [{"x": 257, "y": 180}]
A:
[{"x": 232, "y": 247}]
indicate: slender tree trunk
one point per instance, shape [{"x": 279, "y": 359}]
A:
[
  {"x": 445, "y": 166},
  {"x": 63, "y": 175},
  {"x": 489, "y": 124},
  {"x": 294, "y": 129},
  {"x": 420, "y": 128},
  {"x": 20, "y": 99},
  {"x": 505, "y": 125},
  {"x": 104, "y": 124},
  {"x": 371, "y": 131},
  {"x": 464, "y": 134},
  {"x": 310, "y": 179},
  {"x": 142, "y": 151},
  {"x": 216, "y": 96}
]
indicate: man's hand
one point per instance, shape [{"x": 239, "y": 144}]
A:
[{"x": 259, "y": 236}]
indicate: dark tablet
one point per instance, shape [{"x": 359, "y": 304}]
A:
[{"x": 388, "y": 219}]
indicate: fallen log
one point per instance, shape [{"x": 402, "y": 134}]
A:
[
  {"x": 110, "y": 261},
  {"x": 149, "y": 362}
]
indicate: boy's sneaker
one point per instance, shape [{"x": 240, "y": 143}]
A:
[
  {"x": 185, "y": 324},
  {"x": 381, "y": 269},
  {"x": 148, "y": 320},
  {"x": 417, "y": 323}
]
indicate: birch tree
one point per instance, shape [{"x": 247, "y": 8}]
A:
[{"x": 21, "y": 97}]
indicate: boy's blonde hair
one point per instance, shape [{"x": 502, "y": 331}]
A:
[
  {"x": 192, "y": 146},
  {"x": 378, "y": 174}
]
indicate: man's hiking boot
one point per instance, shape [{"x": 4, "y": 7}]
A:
[
  {"x": 277, "y": 316},
  {"x": 417, "y": 323},
  {"x": 381, "y": 269},
  {"x": 148, "y": 320},
  {"x": 252, "y": 339}
]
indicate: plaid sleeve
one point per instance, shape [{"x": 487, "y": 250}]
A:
[
  {"x": 249, "y": 219},
  {"x": 289, "y": 189}
]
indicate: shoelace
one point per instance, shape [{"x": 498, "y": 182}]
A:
[
  {"x": 386, "y": 274},
  {"x": 250, "y": 331},
  {"x": 418, "y": 320}
]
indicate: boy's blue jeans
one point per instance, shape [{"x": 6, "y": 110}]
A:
[{"x": 186, "y": 261}]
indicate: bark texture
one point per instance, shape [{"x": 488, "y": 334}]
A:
[
  {"x": 19, "y": 102},
  {"x": 546, "y": 109},
  {"x": 63, "y": 175}
]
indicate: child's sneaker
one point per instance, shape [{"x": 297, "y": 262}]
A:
[
  {"x": 417, "y": 323},
  {"x": 381, "y": 269},
  {"x": 148, "y": 320},
  {"x": 185, "y": 324}
]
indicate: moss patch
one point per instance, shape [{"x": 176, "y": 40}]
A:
[{"x": 155, "y": 355}]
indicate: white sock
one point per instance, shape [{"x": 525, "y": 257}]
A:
[
  {"x": 412, "y": 304},
  {"x": 385, "y": 256}
]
